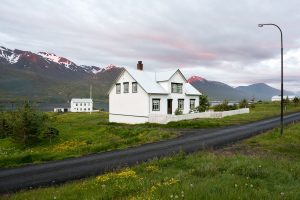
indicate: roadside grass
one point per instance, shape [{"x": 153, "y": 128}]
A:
[
  {"x": 263, "y": 167},
  {"x": 261, "y": 111},
  {"x": 79, "y": 134},
  {"x": 84, "y": 133}
]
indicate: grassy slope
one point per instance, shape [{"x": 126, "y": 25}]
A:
[
  {"x": 263, "y": 167},
  {"x": 82, "y": 133}
]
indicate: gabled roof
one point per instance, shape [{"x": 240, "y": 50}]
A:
[
  {"x": 149, "y": 81},
  {"x": 82, "y": 100},
  {"x": 190, "y": 90}
]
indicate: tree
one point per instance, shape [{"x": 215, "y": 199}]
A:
[
  {"x": 203, "y": 103},
  {"x": 27, "y": 124},
  {"x": 296, "y": 101},
  {"x": 4, "y": 128},
  {"x": 243, "y": 103},
  {"x": 50, "y": 133}
]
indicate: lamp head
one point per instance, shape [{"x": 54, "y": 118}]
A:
[{"x": 260, "y": 25}]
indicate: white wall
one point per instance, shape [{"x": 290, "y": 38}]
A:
[
  {"x": 81, "y": 106},
  {"x": 124, "y": 105},
  {"x": 127, "y": 119},
  {"x": 164, "y": 119},
  {"x": 176, "y": 78}
]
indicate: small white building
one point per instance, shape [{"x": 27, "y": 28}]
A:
[
  {"x": 137, "y": 94},
  {"x": 278, "y": 98},
  {"x": 59, "y": 110},
  {"x": 81, "y": 105}
]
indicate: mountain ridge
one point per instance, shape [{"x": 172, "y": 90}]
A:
[{"x": 48, "y": 76}]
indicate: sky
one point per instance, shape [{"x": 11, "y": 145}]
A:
[{"x": 215, "y": 39}]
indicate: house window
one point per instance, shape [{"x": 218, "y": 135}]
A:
[
  {"x": 126, "y": 87},
  {"x": 155, "y": 104},
  {"x": 118, "y": 88},
  {"x": 176, "y": 87},
  {"x": 180, "y": 104},
  {"x": 76, "y": 104},
  {"x": 192, "y": 104},
  {"x": 81, "y": 104},
  {"x": 134, "y": 87}
]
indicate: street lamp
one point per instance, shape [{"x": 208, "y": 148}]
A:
[{"x": 281, "y": 117}]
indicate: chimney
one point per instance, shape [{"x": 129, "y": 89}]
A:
[{"x": 139, "y": 65}]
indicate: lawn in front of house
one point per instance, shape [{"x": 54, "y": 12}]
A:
[
  {"x": 79, "y": 134},
  {"x": 84, "y": 133},
  {"x": 266, "y": 166}
]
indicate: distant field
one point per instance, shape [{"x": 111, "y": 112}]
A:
[
  {"x": 82, "y": 133},
  {"x": 263, "y": 167}
]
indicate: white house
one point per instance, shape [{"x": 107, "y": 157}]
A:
[
  {"x": 278, "y": 97},
  {"x": 81, "y": 105},
  {"x": 137, "y": 94}
]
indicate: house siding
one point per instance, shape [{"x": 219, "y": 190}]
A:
[{"x": 128, "y": 107}]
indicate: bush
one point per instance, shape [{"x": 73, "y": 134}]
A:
[
  {"x": 178, "y": 111},
  {"x": 296, "y": 101},
  {"x": 203, "y": 103},
  {"x": 243, "y": 103},
  {"x": 4, "y": 128},
  {"x": 26, "y": 124},
  {"x": 225, "y": 107},
  {"x": 50, "y": 133}
]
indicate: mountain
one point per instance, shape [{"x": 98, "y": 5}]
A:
[
  {"x": 220, "y": 91},
  {"x": 47, "y": 77},
  {"x": 261, "y": 91},
  {"x": 216, "y": 90}
]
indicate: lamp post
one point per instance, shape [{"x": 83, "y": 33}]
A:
[{"x": 281, "y": 116}]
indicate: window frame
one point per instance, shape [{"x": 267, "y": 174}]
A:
[
  {"x": 180, "y": 104},
  {"x": 136, "y": 87},
  {"x": 118, "y": 88},
  {"x": 194, "y": 100},
  {"x": 124, "y": 88},
  {"x": 177, "y": 89},
  {"x": 158, "y": 106}
]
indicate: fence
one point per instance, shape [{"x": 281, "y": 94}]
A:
[{"x": 164, "y": 119}]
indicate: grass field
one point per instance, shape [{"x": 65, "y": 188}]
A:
[
  {"x": 263, "y": 167},
  {"x": 82, "y": 133}
]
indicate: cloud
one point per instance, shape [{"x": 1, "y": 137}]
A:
[{"x": 220, "y": 39}]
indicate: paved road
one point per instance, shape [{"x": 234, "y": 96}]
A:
[{"x": 75, "y": 168}]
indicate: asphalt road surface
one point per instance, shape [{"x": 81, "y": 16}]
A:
[{"x": 57, "y": 172}]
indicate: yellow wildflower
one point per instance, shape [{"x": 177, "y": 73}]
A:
[
  {"x": 171, "y": 181},
  {"x": 152, "y": 168},
  {"x": 104, "y": 177},
  {"x": 126, "y": 173}
]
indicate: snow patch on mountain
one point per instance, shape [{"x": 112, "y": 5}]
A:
[
  {"x": 57, "y": 59},
  {"x": 8, "y": 55}
]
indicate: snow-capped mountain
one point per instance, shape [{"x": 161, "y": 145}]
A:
[
  {"x": 46, "y": 61},
  {"x": 50, "y": 77}
]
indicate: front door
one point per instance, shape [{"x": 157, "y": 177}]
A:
[{"x": 170, "y": 106}]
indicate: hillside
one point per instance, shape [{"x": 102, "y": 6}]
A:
[
  {"x": 220, "y": 91},
  {"x": 47, "y": 77},
  {"x": 216, "y": 90}
]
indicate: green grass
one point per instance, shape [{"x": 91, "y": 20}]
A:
[
  {"x": 82, "y": 133},
  {"x": 263, "y": 167}
]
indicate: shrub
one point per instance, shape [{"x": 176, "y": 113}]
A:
[
  {"x": 203, "y": 103},
  {"x": 225, "y": 107},
  {"x": 4, "y": 128},
  {"x": 178, "y": 111},
  {"x": 50, "y": 133},
  {"x": 26, "y": 124},
  {"x": 243, "y": 103},
  {"x": 296, "y": 101}
]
